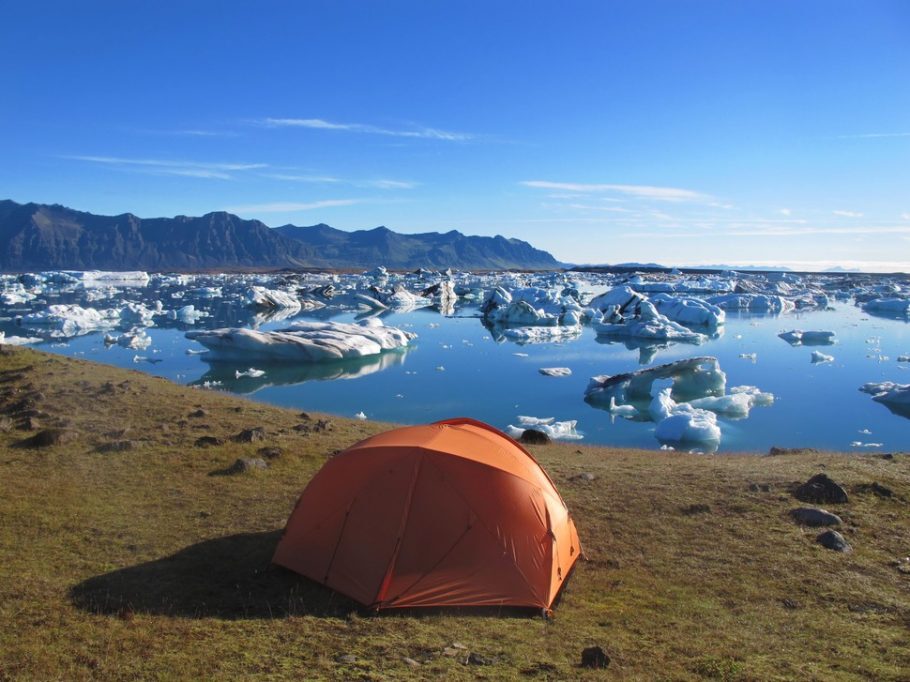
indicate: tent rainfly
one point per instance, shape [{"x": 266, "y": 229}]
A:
[{"x": 453, "y": 513}]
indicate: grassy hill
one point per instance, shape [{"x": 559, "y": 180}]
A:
[{"x": 128, "y": 551}]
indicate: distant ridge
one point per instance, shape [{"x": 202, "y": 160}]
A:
[{"x": 43, "y": 236}]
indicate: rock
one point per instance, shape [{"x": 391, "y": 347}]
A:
[
  {"x": 774, "y": 451},
  {"x": 459, "y": 645},
  {"x": 50, "y": 437},
  {"x": 304, "y": 416},
  {"x": 874, "y": 488},
  {"x": 250, "y": 435},
  {"x": 410, "y": 662},
  {"x": 322, "y": 425},
  {"x": 821, "y": 490},
  {"x": 5, "y": 424},
  {"x": 30, "y": 424},
  {"x": 534, "y": 437},
  {"x": 269, "y": 452},
  {"x": 196, "y": 414},
  {"x": 583, "y": 477},
  {"x": 245, "y": 464},
  {"x": 831, "y": 539},
  {"x": 790, "y": 604},
  {"x": 206, "y": 441},
  {"x": 693, "y": 509},
  {"x": 476, "y": 659},
  {"x": 594, "y": 657},
  {"x": 452, "y": 652},
  {"x": 346, "y": 658},
  {"x": 809, "y": 516},
  {"x": 303, "y": 428},
  {"x": 116, "y": 446},
  {"x": 760, "y": 487}
]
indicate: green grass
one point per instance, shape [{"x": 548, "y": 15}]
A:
[{"x": 140, "y": 564}]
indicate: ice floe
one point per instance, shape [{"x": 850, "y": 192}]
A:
[
  {"x": 820, "y": 358},
  {"x": 555, "y": 371},
  {"x": 557, "y": 430},
  {"x": 304, "y": 341},
  {"x": 797, "y": 337}
]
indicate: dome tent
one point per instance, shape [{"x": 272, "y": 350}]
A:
[{"x": 453, "y": 513}]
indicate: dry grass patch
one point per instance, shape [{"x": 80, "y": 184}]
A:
[{"x": 122, "y": 556}]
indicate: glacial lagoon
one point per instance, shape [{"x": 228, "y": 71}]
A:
[{"x": 463, "y": 363}]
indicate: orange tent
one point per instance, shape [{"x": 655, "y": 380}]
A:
[{"x": 454, "y": 513}]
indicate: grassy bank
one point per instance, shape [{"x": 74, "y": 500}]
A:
[{"x": 127, "y": 550}]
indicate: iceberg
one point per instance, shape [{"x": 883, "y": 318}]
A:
[
  {"x": 889, "y": 393},
  {"x": 888, "y": 306},
  {"x": 767, "y": 303},
  {"x": 564, "y": 430},
  {"x": 644, "y": 323},
  {"x": 270, "y": 298},
  {"x": 72, "y": 319},
  {"x": 304, "y": 341},
  {"x": 818, "y": 357},
  {"x": 688, "y": 310},
  {"x": 555, "y": 371},
  {"x": 692, "y": 378},
  {"x": 797, "y": 337}
]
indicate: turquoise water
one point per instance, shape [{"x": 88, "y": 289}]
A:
[{"x": 816, "y": 405}]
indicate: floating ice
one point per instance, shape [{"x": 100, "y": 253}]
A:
[
  {"x": 555, "y": 371},
  {"x": 360, "y": 415},
  {"x": 692, "y": 378},
  {"x": 252, "y": 372},
  {"x": 540, "y": 334},
  {"x": 304, "y": 341},
  {"x": 797, "y": 337},
  {"x": 271, "y": 298},
  {"x": 18, "y": 340},
  {"x": 890, "y": 306},
  {"x": 749, "y": 356},
  {"x": 689, "y": 310},
  {"x": 889, "y": 393},
  {"x": 645, "y": 323},
  {"x": 754, "y": 302},
  {"x": 819, "y": 358},
  {"x": 72, "y": 319},
  {"x": 564, "y": 430}
]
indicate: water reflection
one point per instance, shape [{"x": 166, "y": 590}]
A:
[{"x": 225, "y": 374}]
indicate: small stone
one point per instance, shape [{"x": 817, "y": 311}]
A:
[
  {"x": 809, "y": 516},
  {"x": 451, "y": 652},
  {"x": 775, "y": 451},
  {"x": 831, "y": 539},
  {"x": 206, "y": 441},
  {"x": 250, "y": 435},
  {"x": 302, "y": 428},
  {"x": 693, "y": 509},
  {"x": 874, "y": 488},
  {"x": 245, "y": 464},
  {"x": 322, "y": 425},
  {"x": 583, "y": 477},
  {"x": 477, "y": 659},
  {"x": 594, "y": 657},
  {"x": 346, "y": 658},
  {"x": 821, "y": 490},
  {"x": 459, "y": 645},
  {"x": 410, "y": 662},
  {"x": 534, "y": 437},
  {"x": 790, "y": 604},
  {"x": 760, "y": 487},
  {"x": 304, "y": 416},
  {"x": 5, "y": 424},
  {"x": 197, "y": 414},
  {"x": 30, "y": 424},
  {"x": 116, "y": 446},
  {"x": 269, "y": 452},
  {"x": 50, "y": 437}
]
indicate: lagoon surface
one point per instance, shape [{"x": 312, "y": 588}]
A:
[{"x": 458, "y": 366}]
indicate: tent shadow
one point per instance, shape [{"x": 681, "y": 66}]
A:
[
  {"x": 228, "y": 578},
  {"x": 233, "y": 578}
]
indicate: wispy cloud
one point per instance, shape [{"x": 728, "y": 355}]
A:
[
  {"x": 848, "y": 214},
  {"x": 390, "y": 184},
  {"x": 785, "y": 211},
  {"x": 867, "y": 136},
  {"x": 772, "y": 231},
  {"x": 196, "y": 169},
  {"x": 319, "y": 179},
  {"x": 637, "y": 191},
  {"x": 905, "y": 216},
  {"x": 321, "y": 124},
  {"x": 291, "y": 206}
]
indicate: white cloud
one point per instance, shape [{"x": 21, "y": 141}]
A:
[
  {"x": 772, "y": 231},
  {"x": 637, "y": 191},
  {"x": 301, "y": 178},
  {"x": 905, "y": 216},
  {"x": 848, "y": 214},
  {"x": 195, "y": 169},
  {"x": 391, "y": 184},
  {"x": 867, "y": 136},
  {"x": 321, "y": 124},
  {"x": 785, "y": 211},
  {"x": 291, "y": 206}
]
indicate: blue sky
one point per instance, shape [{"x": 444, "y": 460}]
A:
[{"x": 773, "y": 133}]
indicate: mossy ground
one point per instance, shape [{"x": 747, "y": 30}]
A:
[{"x": 140, "y": 563}]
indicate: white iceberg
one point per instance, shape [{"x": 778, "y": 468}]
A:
[
  {"x": 261, "y": 297},
  {"x": 688, "y": 310},
  {"x": 564, "y": 430},
  {"x": 819, "y": 358},
  {"x": 890, "y": 306},
  {"x": 304, "y": 341},
  {"x": 645, "y": 323},
  {"x": 797, "y": 337},
  {"x": 555, "y": 371},
  {"x": 753, "y": 302}
]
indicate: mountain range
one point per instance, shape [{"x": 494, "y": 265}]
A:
[{"x": 50, "y": 236}]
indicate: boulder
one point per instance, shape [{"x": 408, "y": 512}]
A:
[
  {"x": 534, "y": 437},
  {"x": 809, "y": 516},
  {"x": 594, "y": 657},
  {"x": 206, "y": 441},
  {"x": 50, "y": 437},
  {"x": 831, "y": 539},
  {"x": 821, "y": 490},
  {"x": 250, "y": 435},
  {"x": 244, "y": 464}
]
